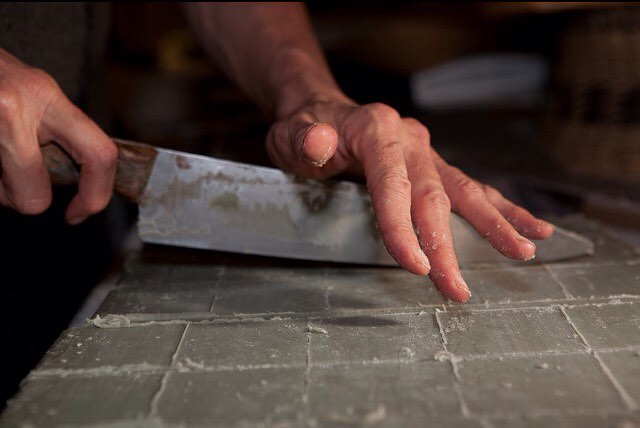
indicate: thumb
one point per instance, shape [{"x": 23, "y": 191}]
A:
[{"x": 315, "y": 143}]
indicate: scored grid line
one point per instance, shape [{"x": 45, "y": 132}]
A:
[
  {"x": 216, "y": 288},
  {"x": 464, "y": 409},
  {"x": 307, "y": 375},
  {"x": 153, "y": 411},
  {"x": 626, "y": 398},
  {"x": 559, "y": 283}
]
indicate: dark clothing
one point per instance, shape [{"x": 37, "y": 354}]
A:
[{"x": 53, "y": 266}]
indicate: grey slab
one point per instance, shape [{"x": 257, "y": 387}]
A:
[
  {"x": 606, "y": 420},
  {"x": 234, "y": 398},
  {"x": 85, "y": 348},
  {"x": 525, "y": 284},
  {"x": 625, "y": 367},
  {"x": 270, "y": 291},
  {"x": 389, "y": 394},
  {"x": 249, "y": 274},
  {"x": 72, "y": 401},
  {"x": 379, "y": 288},
  {"x": 139, "y": 271},
  {"x": 521, "y": 385},
  {"x": 158, "y": 300},
  {"x": 599, "y": 281},
  {"x": 505, "y": 331},
  {"x": 608, "y": 325},
  {"x": 365, "y": 338},
  {"x": 244, "y": 344}
]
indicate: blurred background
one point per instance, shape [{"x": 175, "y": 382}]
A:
[{"x": 540, "y": 100}]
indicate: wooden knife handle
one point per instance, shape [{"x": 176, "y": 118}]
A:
[{"x": 135, "y": 162}]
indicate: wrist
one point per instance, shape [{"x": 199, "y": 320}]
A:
[{"x": 305, "y": 81}]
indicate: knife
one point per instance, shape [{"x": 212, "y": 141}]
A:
[{"x": 195, "y": 201}]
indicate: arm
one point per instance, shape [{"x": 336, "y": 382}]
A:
[
  {"x": 35, "y": 111},
  {"x": 270, "y": 51}
]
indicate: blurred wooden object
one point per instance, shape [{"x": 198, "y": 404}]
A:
[{"x": 593, "y": 124}]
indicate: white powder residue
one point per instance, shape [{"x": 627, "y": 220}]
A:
[
  {"x": 458, "y": 325},
  {"x": 189, "y": 365},
  {"x": 111, "y": 321},
  {"x": 443, "y": 356},
  {"x": 409, "y": 353},
  {"x": 370, "y": 418},
  {"x": 313, "y": 329}
]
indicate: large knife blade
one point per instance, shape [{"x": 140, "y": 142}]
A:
[{"x": 201, "y": 202}]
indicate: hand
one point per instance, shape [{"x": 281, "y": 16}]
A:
[
  {"x": 409, "y": 183},
  {"x": 35, "y": 111}
]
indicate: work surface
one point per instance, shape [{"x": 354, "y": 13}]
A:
[{"x": 277, "y": 343}]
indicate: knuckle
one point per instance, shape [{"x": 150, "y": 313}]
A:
[
  {"x": 490, "y": 191},
  {"x": 40, "y": 85},
  {"x": 107, "y": 154},
  {"x": 385, "y": 146},
  {"x": 396, "y": 182},
  {"x": 30, "y": 85},
  {"x": 9, "y": 100},
  {"x": 438, "y": 199},
  {"x": 417, "y": 129},
  {"x": 102, "y": 157},
  {"x": 382, "y": 112},
  {"x": 26, "y": 158},
  {"x": 41, "y": 80},
  {"x": 468, "y": 187}
]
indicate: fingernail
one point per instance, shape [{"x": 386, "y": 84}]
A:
[
  {"x": 546, "y": 224},
  {"x": 531, "y": 246},
  {"x": 531, "y": 249},
  {"x": 461, "y": 284},
  {"x": 76, "y": 220},
  {"x": 304, "y": 143},
  {"x": 420, "y": 257}
]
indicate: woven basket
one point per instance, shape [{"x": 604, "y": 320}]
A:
[{"x": 594, "y": 113}]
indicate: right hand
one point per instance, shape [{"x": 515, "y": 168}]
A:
[{"x": 34, "y": 111}]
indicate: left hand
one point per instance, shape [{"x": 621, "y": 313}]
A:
[{"x": 409, "y": 183}]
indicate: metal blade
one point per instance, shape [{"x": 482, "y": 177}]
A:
[{"x": 201, "y": 202}]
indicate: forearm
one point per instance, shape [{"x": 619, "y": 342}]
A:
[{"x": 269, "y": 50}]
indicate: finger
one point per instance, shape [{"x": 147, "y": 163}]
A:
[
  {"x": 523, "y": 221},
  {"x": 469, "y": 200},
  {"x": 317, "y": 144},
  {"x": 390, "y": 190},
  {"x": 430, "y": 209},
  {"x": 92, "y": 150},
  {"x": 24, "y": 185},
  {"x": 298, "y": 139}
]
